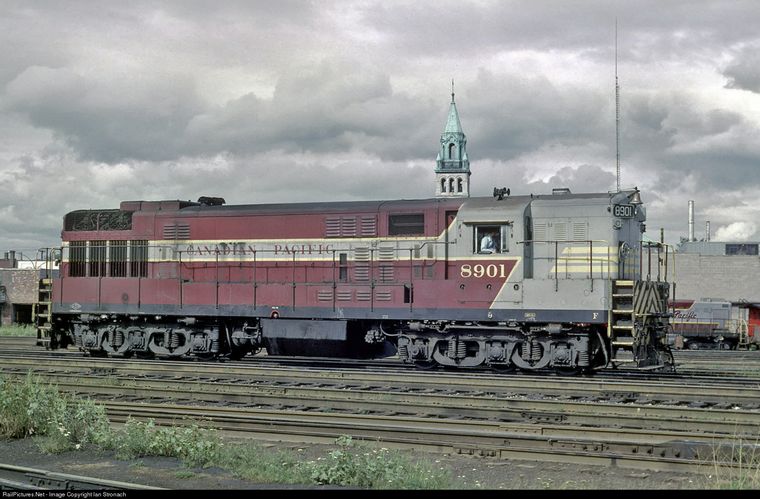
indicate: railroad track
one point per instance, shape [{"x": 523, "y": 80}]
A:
[
  {"x": 739, "y": 370},
  {"x": 449, "y": 412},
  {"x": 661, "y": 450},
  {"x": 24, "y": 478},
  {"x": 344, "y": 394},
  {"x": 734, "y": 364},
  {"x": 710, "y": 392}
]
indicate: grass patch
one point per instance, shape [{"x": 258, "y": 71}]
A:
[
  {"x": 745, "y": 474},
  {"x": 193, "y": 445},
  {"x": 362, "y": 466},
  {"x": 256, "y": 463},
  {"x": 30, "y": 408},
  {"x": 349, "y": 464},
  {"x": 184, "y": 474},
  {"x": 18, "y": 330}
]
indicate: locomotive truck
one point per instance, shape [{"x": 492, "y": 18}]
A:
[{"x": 558, "y": 281}]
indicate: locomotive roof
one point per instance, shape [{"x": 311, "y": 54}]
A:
[
  {"x": 322, "y": 206},
  {"x": 186, "y": 207}
]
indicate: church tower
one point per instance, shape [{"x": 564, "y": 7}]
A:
[{"x": 452, "y": 169}]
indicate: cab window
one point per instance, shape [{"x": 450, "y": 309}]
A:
[{"x": 491, "y": 238}]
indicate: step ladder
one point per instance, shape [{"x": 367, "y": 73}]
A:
[
  {"x": 42, "y": 312},
  {"x": 743, "y": 329},
  {"x": 621, "y": 320}
]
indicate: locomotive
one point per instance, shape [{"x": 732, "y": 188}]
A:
[
  {"x": 712, "y": 324},
  {"x": 559, "y": 281}
]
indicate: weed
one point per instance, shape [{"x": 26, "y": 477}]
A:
[
  {"x": 184, "y": 473},
  {"x": 31, "y": 408},
  {"x": 744, "y": 472},
  {"x": 18, "y": 330},
  {"x": 253, "y": 462},
  {"x": 26, "y": 406},
  {"x": 79, "y": 422},
  {"x": 349, "y": 464},
  {"x": 360, "y": 466},
  {"x": 194, "y": 445}
]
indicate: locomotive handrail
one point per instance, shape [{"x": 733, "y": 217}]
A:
[
  {"x": 249, "y": 259},
  {"x": 590, "y": 258},
  {"x": 662, "y": 263}
]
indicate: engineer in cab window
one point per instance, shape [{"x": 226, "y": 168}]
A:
[{"x": 488, "y": 243}]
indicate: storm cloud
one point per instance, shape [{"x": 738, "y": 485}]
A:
[{"x": 307, "y": 101}]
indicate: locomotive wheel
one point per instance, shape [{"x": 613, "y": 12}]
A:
[
  {"x": 504, "y": 368},
  {"x": 568, "y": 371},
  {"x": 237, "y": 353},
  {"x": 425, "y": 365}
]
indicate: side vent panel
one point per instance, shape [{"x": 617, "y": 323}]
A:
[
  {"x": 176, "y": 231},
  {"x": 368, "y": 226},
  {"x": 337, "y": 226},
  {"x": 539, "y": 231}
]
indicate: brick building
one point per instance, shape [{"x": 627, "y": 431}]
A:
[
  {"x": 19, "y": 288},
  {"x": 712, "y": 269}
]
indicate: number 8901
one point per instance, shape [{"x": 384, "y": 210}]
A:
[{"x": 480, "y": 270}]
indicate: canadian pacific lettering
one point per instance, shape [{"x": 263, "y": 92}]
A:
[{"x": 244, "y": 249}]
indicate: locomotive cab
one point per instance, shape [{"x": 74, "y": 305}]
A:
[{"x": 572, "y": 293}]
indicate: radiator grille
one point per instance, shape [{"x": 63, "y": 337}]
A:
[
  {"x": 177, "y": 231},
  {"x": 539, "y": 231},
  {"x": 368, "y": 226},
  {"x": 580, "y": 232},
  {"x": 560, "y": 231},
  {"x": 337, "y": 226}
]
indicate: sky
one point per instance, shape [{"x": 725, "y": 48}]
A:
[{"x": 290, "y": 101}]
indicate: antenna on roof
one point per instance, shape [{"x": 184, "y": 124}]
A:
[{"x": 617, "y": 114}]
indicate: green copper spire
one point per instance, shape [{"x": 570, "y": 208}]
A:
[
  {"x": 452, "y": 124},
  {"x": 452, "y": 164}
]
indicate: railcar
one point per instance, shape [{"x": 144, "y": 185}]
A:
[
  {"x": 713, "y": 324},
  {"x": 558, "y": 281}
]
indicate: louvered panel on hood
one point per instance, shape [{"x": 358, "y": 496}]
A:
[
  {"x": 368, "y": 226},
  {"x": 337, "y": 226},
  {"x": 580, "y": 231},
  {"x": 176, "y": 231}
]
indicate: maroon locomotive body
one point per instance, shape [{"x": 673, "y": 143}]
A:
[{"x": 440, "y": 281}]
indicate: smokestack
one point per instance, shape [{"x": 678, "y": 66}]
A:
[
  {"x": 12, "y": 255},
  {"x": 691, "y": 221},
  {"x": 707, "y": 230}
]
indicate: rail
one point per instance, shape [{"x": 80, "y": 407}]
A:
[
  {"x": 581, "y": 251},
  {"x": 389, "y": 264},
  {"x": 597, "y": 257}
]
